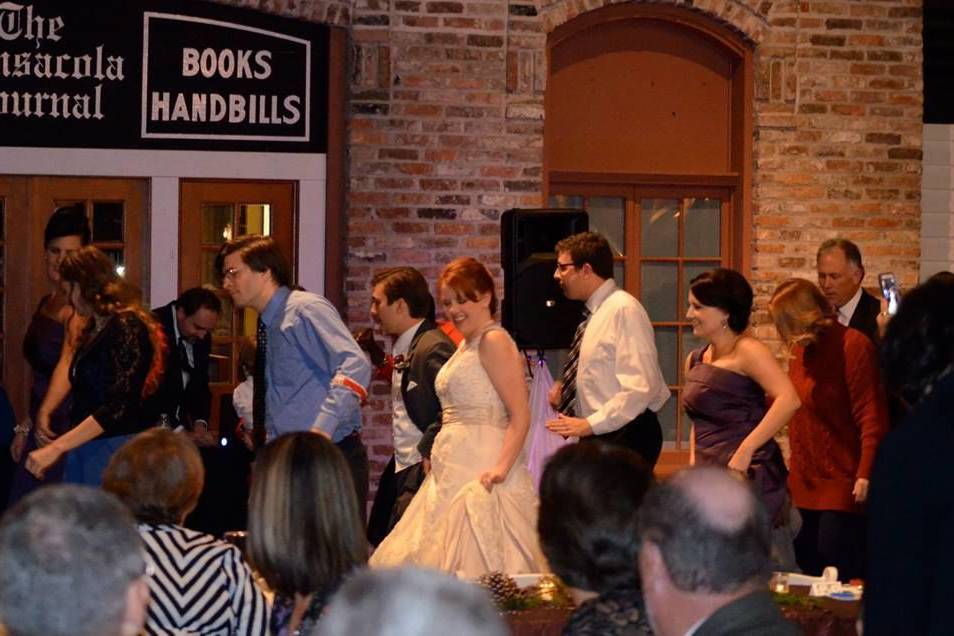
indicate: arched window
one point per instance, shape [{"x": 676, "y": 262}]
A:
[{"x": 649, "y": 127}]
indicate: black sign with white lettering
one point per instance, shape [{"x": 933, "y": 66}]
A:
[{"x": 163, "y": 74}]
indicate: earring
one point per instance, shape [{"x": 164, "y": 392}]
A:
[{"x": 725, "y": 323}]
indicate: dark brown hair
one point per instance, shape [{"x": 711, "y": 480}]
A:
[
  {"x": 158, "y": 474},
  {"x": 304, "y": 529},
  {"x": 727, "y": 290},
  {"x": 260, "y": 253},
  {"x": 409, "y": 285},
  {"x": 589, "y": 247},
  {"x": 469, "y": 279}
]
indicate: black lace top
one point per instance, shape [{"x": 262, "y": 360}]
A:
[
  {"x": 108, "y": 373},
  {"x": 620, "y": 612}
]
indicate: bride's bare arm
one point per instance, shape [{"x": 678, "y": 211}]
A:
[{"x": 504, "y": 366}]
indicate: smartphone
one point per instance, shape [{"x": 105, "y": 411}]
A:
[{"x": 889, "y": 289}]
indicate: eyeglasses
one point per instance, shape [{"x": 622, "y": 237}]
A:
[
  {"x": 232, "y": 273},
  {"x": 562, "y": 267}
]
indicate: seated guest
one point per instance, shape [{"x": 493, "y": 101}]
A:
[
  {"x": 911, "y": 507},
  {"x": 304, "y": 530},
  {"x": 199, "y": 585},
  {"x": 589, "y": 498},
  {"x": 705, "y": 557},
  {"x": 835, "y": 432},
  {"x": 71, "y": 564},
  {"x": 404, "y": 601}
]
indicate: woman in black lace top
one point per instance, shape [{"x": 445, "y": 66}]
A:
[
  {"x": 117, "y": 363},
  {"x": 589, "y": 499}
]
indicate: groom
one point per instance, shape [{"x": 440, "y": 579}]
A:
[{"x": 404, "y": 308}]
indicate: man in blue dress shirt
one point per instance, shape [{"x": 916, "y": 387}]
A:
[{"x": 315, "y": 373}]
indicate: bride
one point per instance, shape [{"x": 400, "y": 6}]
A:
[{"x": 476, "y": 511}]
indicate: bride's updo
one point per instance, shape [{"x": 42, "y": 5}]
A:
[{"x": 469, "y": 279}]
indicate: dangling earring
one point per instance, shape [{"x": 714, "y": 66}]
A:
[{"x": 725, "y": 323}]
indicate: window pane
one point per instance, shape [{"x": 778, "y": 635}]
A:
[
  {"x": 619, "y": 274},
  {"x": 703, "y": 232},
  {"x": 255, "y": 218},
  {"x": 216, "y": 223},
  {"x": 565, "y": 201},
  {"x": 660, "y": 228},
  {"x": 209, "y": 277},
  {"x": 667, "y": 343},
  {"x": 107, "y": 222},
  {"x": 607, "y": 216},
  {"x": 220, "y": 362},
  {"x": 119, "y": 259},
  {"x": 224, "y": 326},
  {"x": 659, "y": 291},
  {"x": 667, "y": 419}
]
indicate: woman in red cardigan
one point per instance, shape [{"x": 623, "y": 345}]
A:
[{"x": 836, "y": 431}]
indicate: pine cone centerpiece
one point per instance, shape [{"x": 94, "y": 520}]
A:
[{"x": 502, "y": 588}]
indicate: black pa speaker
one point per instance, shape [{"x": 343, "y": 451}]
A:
[{"x": 535, "y": 311}]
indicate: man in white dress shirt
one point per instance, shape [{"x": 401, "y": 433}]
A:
[
  {"x": 619, "y": 386},
  {"x": 840, "y": 273},
  {"x": 404, "y": 308}
]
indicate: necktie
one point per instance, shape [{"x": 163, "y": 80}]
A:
[
  {"x": 184, "y": 357},
  {"x": 568, "y": 393},
  {"x": 260, "y": 387}
]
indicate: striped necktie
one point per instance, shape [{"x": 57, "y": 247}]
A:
[{"x": 568, "y": 393}]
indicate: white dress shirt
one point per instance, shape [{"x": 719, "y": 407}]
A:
[
  {"x": 406, "y": 433},
  {"x": 846, "y": 311},
  {"x": 618, "y": 376}
]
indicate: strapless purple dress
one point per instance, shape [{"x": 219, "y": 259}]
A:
[
  {"x": 725, "y": 406},
  {"x": 41, "y": 348}
]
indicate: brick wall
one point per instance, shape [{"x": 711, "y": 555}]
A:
[{"x": 447, "y": 124}]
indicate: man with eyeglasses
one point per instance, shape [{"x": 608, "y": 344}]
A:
[
  {"x": 612, "y": 386},
  {"x": 310, "y": 374}
]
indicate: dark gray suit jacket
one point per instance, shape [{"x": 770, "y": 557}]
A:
[
  {"x": 755, "y": 614},
  {"x": 430, "y": 349}
]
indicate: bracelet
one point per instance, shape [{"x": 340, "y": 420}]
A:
[{"x": 22, "y": 428}]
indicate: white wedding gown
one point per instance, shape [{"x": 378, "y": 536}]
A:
[{"x": 453, "y": 523}]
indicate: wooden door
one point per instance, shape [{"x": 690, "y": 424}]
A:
[
  {"x": 210, "y": 213},
  {"x": 117, "y": 213}
]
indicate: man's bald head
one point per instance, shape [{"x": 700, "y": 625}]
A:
[{"x": 712, "y": 531}]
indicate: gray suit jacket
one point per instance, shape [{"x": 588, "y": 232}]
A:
[{"x": 755, "y": 614}]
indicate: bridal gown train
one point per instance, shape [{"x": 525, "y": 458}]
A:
[{"x": 453, "y": 523}]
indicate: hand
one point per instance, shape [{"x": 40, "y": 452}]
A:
[
  {"x": 40, "y": 460},
  {"x": 570, "y": 426},
  {"x": 426, "y": 465},
  {"x": 491, "y": 477},
  {"x": 42, "y": 431},
  {"x": 553, "y": 395},
  {"x": 882, "y": 319},
  {"x": 860, "y": 491},
  {"x": 17, "y": 446},
  {"x": 740, "y": 460},
  {"x": 201, "y": 436},
  {"x": 365, "y": 340}
]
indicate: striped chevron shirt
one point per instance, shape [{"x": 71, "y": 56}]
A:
[{"x": 199, "y": 585}]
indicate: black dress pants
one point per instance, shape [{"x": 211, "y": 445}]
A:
[
  {"x": 831, "y": 537},
  {"x": 643, "y": 435}
]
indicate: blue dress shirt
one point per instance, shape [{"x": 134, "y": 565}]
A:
[{"x": 316, "y": 374}]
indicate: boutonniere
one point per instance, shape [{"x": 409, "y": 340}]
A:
[{"x": 401, "y": 363}]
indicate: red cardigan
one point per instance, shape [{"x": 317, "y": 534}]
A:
[{"x": 843, "y": 416}]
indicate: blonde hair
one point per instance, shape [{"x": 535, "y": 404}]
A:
[{"x": 800, "y": 312}]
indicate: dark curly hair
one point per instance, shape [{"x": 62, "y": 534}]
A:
[{"x": 918, "y": 345}]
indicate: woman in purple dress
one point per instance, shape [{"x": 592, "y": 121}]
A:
[
  {"x": 66, "y": 231},
  {"x": 727, "y": 383}
]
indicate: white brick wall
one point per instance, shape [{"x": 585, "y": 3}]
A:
[{"x": 937, "y": 200}]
